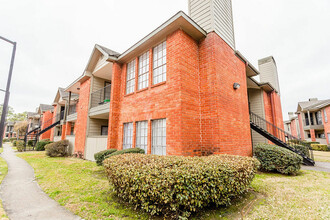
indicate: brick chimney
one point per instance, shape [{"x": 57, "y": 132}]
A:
[{"x": 214, "y": 15}]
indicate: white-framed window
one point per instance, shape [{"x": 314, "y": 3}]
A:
[
  {"x": 325, "y": 116},
  {"x": 128, "y": 136},
  {"x": 142, "y": 135},
  {"x": 130, "y": 77},
  {"x": 158, "y": 146},
  {"x": 318, "y": 116},
  {"x": 159, "y": 63},
  {"x": 143, "y": 77}
]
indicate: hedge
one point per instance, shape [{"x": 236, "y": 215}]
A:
[
  {"x": 303, "y": 149},
  {"x": 40, "y": 146},
  {"x": 275, "y": 158},
  {"x": 127, "y": 151},
  {"x": 320, "y": 147},
  {"x": 176, "y": 186},
  {"x": 57, "y": 149},
  {"x": 100, "y": 156}
]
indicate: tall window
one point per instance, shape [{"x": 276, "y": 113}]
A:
[
  {"x": 325, "y": 116},
  {"x": 130, "y": 77},
  {"x": 318, "y": 116},
  {"x": 143, "y": 71},
  {"x": 142, "y": 135},
  {"x": 159, "y": 63},
  {"x": 128, "y": 136},
  {"x": 158, "y": 137}
]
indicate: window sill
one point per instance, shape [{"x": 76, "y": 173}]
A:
[
  {"x": 158, "y": 84},
  {"x": 141, "y": 90},
  {"x": 129, "y": 94}
]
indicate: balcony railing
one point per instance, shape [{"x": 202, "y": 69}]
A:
[
  {"x": 72, "y": 109},
  {"x": 101, "y": 96}
]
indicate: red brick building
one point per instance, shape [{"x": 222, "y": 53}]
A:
[
  {"x": 182, "y": 90},
  {"x": 311, "y": 122}
]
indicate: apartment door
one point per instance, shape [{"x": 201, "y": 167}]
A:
[{"x": 328, "y": 138}]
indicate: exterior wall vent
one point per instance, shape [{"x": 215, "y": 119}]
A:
[{"x": 214, "y": 15}]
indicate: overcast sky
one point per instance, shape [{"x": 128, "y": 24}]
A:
[{"x": 55, "y": 40}]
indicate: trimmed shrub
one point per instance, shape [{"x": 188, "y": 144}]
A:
[
  {"x": 275, "y": 158},
  {"x": 14, "y": 143},
  {"x": 127, "y": 151},
  {"x": 41, "y": 145},
  {"x": 57, "y": 149},
  {"x": 20, "y": 146},
  {"x": 176, "y": 186},
  {"x": 5, "y": 140},
  {"x": 100, "y": 156},
  {"x": 30, "y": 142},
  {"x": 303, "y": 149},
  {"x": 320, "y": 147},
  {"x": 312, "y": 142},
  {"x": 12, "y": 139}
]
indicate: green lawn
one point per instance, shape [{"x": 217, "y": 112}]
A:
[
  {"x": 3, "y": 172},
  {"x": 82, "y": 187}
]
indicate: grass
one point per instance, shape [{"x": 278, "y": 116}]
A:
[
  {"x": 322, "y": 156},
  {"x": 3, "y": 173},
  {"x": 82, "y": 187},
  {"x": 79, "y": 186}
]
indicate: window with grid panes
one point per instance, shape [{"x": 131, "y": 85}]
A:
[
  {"x": 158, "y": 145},
  {"x": 128, "y": 136},
  {"x": 130, "y": 77},
  {"x": 142, "y": 135},
  {"x": 325, "y": 116},
  {"x": 143, "y": 77},
  {"x": 159, "y": 63}
]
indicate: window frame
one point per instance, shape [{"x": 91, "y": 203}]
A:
[
  {"x": 325, "y": 116},
  {"x": 102, "y": 127},
  {"x": 156, "y": 133},
  {"x": 129, "y": 126},
  {"x": 159, "y": 67},
  {"x": 130, "y": 77},
  {"x": 141, "y": 135},
  {"x": 143, "y": 73}
]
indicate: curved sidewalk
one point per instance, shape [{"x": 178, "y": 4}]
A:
[{"x": 22, "y": 197}]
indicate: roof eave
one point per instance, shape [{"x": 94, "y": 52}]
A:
[{"x": 178, "y": 21}]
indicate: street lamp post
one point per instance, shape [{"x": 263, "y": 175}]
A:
[{"x": 5, "y": 103}]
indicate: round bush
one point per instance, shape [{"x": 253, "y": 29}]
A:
[
  {"x": 275, "y": 158},
  {"x": 176, "y": 186},
  {"x": 57, "y": 149},
  {"x": 41, "y": 145}
]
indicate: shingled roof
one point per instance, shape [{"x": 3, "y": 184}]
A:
[{"x": 312, "y": 105}]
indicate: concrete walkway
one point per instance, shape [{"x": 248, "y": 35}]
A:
[
  {"x": 22, "y": 197},
  {"x": 319, "y": 166}
]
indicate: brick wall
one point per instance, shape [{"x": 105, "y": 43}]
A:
[
  {"x": 293, "y": 128},
  {"x": 46, "y": 121},
  {"x": 225, "y": 113},
  {"x": 82, "y": 116},
  {"x": 204, "y": 113},
  {"x": 52, "y": 131},
  {"x": 301, "y": 126}
]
